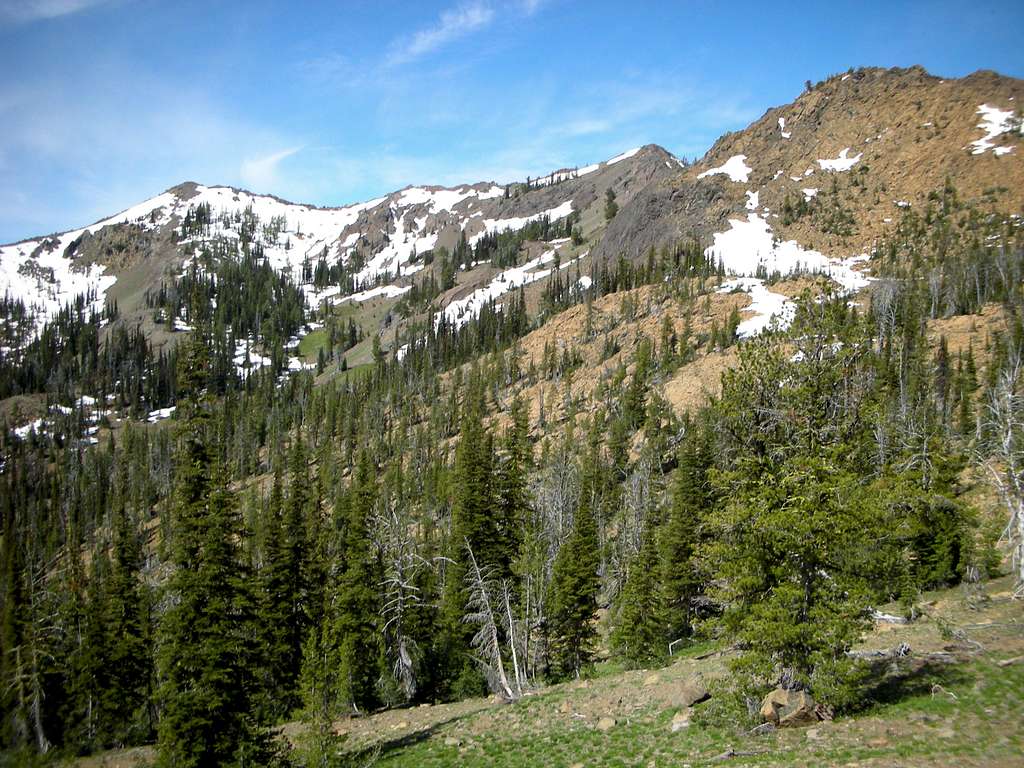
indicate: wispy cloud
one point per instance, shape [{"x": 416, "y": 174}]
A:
[
  {"x": 453, "y": 24},
  {"x": 21, "y": 11},
  {"x": 530, "y": 7},
  {"x": 113, "y": 148},
  {"x": 260, "y": 173}
]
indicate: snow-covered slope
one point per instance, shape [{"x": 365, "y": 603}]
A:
[{"x": 387, "y": 236}]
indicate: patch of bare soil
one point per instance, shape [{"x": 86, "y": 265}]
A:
[{"x": 963, "y": 331}]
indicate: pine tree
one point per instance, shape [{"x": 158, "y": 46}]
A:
[
  {"x": 639, "y": 635},
  {"x": 611, "y": 208},
  {"x": 84, "y": 614},
  {"x": 512, "y": 493},
  {"x": 679, "y": 539},
  {"x": 277, "y": 629},
  {"x": 573, "y": 599},
  {"x": 205, "y": 634},
  {"x": 473, "y": 521},
  {"x": 358, "y": 602},
  {"x": 130, "y": 640},
  {"x": 791, "y": 552}
]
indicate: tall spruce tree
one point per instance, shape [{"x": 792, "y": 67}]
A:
[
  {"x": 131, "y": 657},
  {"x": 277, "y": 605},
  {"x": 473, "y": 522},
  {"x": 512, "y": 493},
  {"x": 679, "y": 572},
  {"x": 573, "y": 598},
  {"x": 358, "y": 599},
  {"x": 205, "y": 634},
  {"x": 639, "y": 634}
]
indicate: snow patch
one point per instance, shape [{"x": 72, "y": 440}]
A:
[
  {"x": 462, "y": 310},
  {"x": 782, "y": 128},
  {"x": 160, "y": 413},
  {"x": 518, "y": 222},
  {"x": 388, "y": 291},
  {"x": 735, "y": 168},
  {"x": 994, "y": 122},
  {"x": 624, "y": 156},
  {"x": 842, "y": 163},
  {"x": 767, "y": 306}
]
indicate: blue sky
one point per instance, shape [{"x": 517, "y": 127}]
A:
[{"x": 106, "y": 102}]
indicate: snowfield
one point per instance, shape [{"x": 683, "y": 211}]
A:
[
  {"x": 735, "y": 168},
  {"x": 750, "y": 245},
  {"x": 518, "y": 222},
  {"x": 842, "y": 163},
  {"x": 624, "y": 156},
  {"x": 994, "y": 122},
  {"x": 461, "y": 311}
]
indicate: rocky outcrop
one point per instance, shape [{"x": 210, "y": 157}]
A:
[{"x": 785, "y": 708}]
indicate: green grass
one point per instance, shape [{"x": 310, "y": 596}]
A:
[
  {"x": 311, "y": 343},
  {"x": 921, "y": 727}
]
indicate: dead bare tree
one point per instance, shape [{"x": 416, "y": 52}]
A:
[
  {"x": 1005, "y": 459},
  {"x": 517, "y": 634},
  {"x": 637, "y": 503},
  {"x": 555, "y": 491},
  {"x": 487, "y": 640},
  {"x": 402, "y": 563}
]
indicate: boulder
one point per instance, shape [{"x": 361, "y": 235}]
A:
[
  {"x": 693, "y": 691},
  {"x": 681, "y": 720},
  {"x": 789, "y": 708}
]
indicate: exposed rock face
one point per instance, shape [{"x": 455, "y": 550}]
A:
[
  {"x": 663, "y": 213},
  {"x": 116, "y": 247},
  {"x": 789, "y": 708},
  {"x": 886, "y": 137}
]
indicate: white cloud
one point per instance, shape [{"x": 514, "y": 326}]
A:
[
  {"x": 111, "y": 148},
  {"x": 586, "y": 126},
  {"x": 260, "y": 173},
  {"x": 20, "y": 11},
  {"x": 453, "y": 24}
]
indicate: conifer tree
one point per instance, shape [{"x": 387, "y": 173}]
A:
[
  {"x": 130, "y": 639},
  {"x": 639, "y": 635},
  {"x": 512, "y": 493},
  {"x": 573, "y": 599},
  {"x": 358, "y": 602},
  {"x": 205, "y": 634},
  {"x": 679, "y": 539},
  {"x": 474, "y": 524},
  {"x": 277, "y": 630}
]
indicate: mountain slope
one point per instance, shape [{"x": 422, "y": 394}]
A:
[
  {"x": 884, "y": 138},
  {"x": 386, "y": 236}
]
